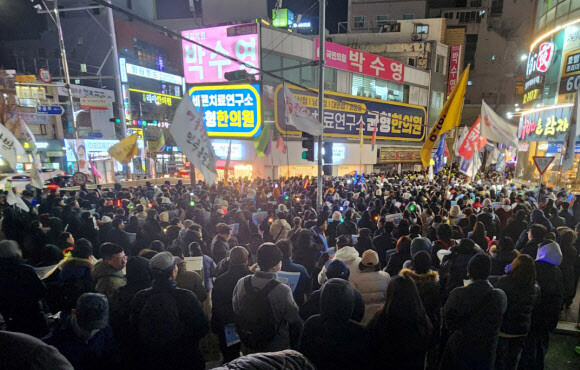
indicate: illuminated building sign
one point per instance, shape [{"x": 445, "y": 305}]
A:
[
  {"x": 156, "y": 98},
  {"x": 203, "y": 66},
  {"x": 126, "y": 102},
  {"x": 338, "y": 152},
  {"x": 221, "y": 150},
  {"x": 282, "y": 17},
  {"x": 99, "y": 147},
  {"x": 152, "y": 74},
  {"x": 547, "y": 125},
  {"x": 229, "y": 110}
]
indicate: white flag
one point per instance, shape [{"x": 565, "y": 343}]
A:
[
  {"x": 430, "y": 175},
  {"x": 460, "y": 140},
  {"x": 35, "y": 179},
  {"x": 570, "y": 141},
  {"x": 495, "y": 128},
  {"x": 189, "y": 133},
  {"x": 10, "y": 147},
  {"x": 300, "y": 117},
  {"x": 13, "y": 199}
]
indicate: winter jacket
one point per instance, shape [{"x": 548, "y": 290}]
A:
[
  {"x": 530, "y": 248},
  {"x": 514, "y": 229},
  {"x": 73, "y": 280},
  {"x": 99, "y": 352},
  {"x": 21, "y": 291},
  {"x": 454, "y": 266},
  {"x": 106, "y": 279},
  {"x": 284, "y": 310},
  {"x": 304, "y": 281},
  {"x": 473, "y": 315},
  {"x": 282, "y": 360},
  {"x": 549, "y": 277},
  {"x": 279, "y": 229},
  {"x": 396, "y": 262},
  {"x": 521, "y": 301},
  {"x": 372, "y": 285},
  {"x": 500, "y": 259},
  {"x": 332, "y": 340},
  {"x": 346, "y": 227},
  {"x": 312, "y": 306},
  {"x": 24, "y": 352},
  {"x": 351, "y": 259},
  {"x": 184, "y": 353},
  {"x": 219, "y": 248},
  {"x": 191, "y": 281},
  {"x": 223, "y": 289},
  {"x": 504, "y": 213},
  {"x": 382, "y": 244},
  {"x": 437, "y": 246},
  {"x": 568, "y": 267},
  {"x": 119, "y": 237},
  {"x": 537, "y": 217}
]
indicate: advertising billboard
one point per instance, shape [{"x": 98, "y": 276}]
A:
[
  {"x": 229, "y": 110},
  {"x": 238, "y": 41},
  {"x": 546, "y": 125},
  {"x": 344, "y": 113}
]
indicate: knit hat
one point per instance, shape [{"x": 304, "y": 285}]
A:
[
  {"x": 106, "y": 220},
  {"x": 421, "y": 262},
  {"x": 550, "y": 253},
  {"x": 337, "y": 269},
  {"x": 370, "y": 258},
  {"x": 269, "y": 255},
  {"x": 92, "y": 311},
  {"x": 479, "y": 267},
  {"x": 421, "y": 244},
  {"x": 163, "y": 261}
]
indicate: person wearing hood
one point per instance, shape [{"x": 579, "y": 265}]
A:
[
  {"x": 535, "y": 235},
  {"x": 516, "y": 224},
  {"x": 108, "y": 272},
  {"x": 444, "y": 242},
  {"x": 570, "y": 259},
  {"x": 105, "y": 225},
  {"x": 372, "y": 283},
  {"x": 347, "y": 226},
  {"x": 418, "y": 244},
  {"x": 547, "y": 312},
  {"x": 537, "y": 217},
  {"x": 502, "y": 255},
  {"x": 427, "y": 282},
  {"x": 138, "y": 278},
  {"x": 21, "y": 291},
  {"x": 345, "y": 253},
  {"x": 331, "y": 339},
  {"x": 335, "y": 269},
  {"x": 400, "y": 331},
  {"x": 504, "y": 213},
  {"x": 522, "y": 292},
  {"x": 279, "y": 228},
  {"x": 473, "y": 315},
  {"x": 402, "y": 254}
]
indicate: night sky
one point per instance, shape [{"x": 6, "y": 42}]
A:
[{"x": 336, "y": 10}]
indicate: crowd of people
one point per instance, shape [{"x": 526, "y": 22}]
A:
[{"x": 393, "y": 271}]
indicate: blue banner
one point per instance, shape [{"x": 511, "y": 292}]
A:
[
  {"x": 440, "y": 154},
  {"x": 343, "y": 115}
]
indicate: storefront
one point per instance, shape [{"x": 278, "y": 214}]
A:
[
  {"x": 552, "y": 78},
  {"x": 51, "y": 152},
  {"x": 399, "y": 159}
]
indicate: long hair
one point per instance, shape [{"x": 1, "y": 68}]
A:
[
  {"x": 404, "y": 245},
  {"x": 523, "y": 270}
]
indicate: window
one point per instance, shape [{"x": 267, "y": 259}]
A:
[
  {"x": 412, "y": 61},
  {"x": 462, "y": 17},
  {"x": 448, "y": 15},
  {"x": 422, "y": 28},
  {"x": 359, "y": 22},
  {"x": 437, "y": 99},
  {"x": 440, "y": 64},
  {"x": 470, "y": 48},
  {"x": 391, "y": 26},
  {"x": 475, "y": 3},
  {"x": 382, "y": 20},
  {"x": 497, "y": 7},
  {"x": 409, "y": 16},
  {"x": 79, "y": 40}
]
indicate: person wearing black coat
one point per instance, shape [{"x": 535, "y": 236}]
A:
[
  {"x": 306, "y": 252},
  {"x": 547, "y": 311},
  {"x": 502, "y": 255},
  {"x": 21, "y": 291},
  {"x": 118, "y": 236},
  {"x": 223, "y": 290},
  {"x": 398, "y": 258},
  {"x": 472, "y": 315},
  {"x": 516, "y": 225},
  {"x": 332, "y": 340},
  {"x": 347, "y": 226},
  {"x": 522, "y": 293},
  {"x": 535, "y": 235},
  {"x": 454, "y": 265}
]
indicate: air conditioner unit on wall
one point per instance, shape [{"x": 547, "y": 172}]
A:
[{"x": 416, "y": 37}]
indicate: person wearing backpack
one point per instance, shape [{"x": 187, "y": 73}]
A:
[
  {"x": 167, "y": 321},
  {"x": 267, "y": 317}
]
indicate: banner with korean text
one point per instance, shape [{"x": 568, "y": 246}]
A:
[
  {"x": 343, "y": 114},
  {"x": 454, "y": 67}
]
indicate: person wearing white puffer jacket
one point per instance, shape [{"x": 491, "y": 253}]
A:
[
  {"x": 345, "y": 253},
  {"x": 372, "y": 283}
]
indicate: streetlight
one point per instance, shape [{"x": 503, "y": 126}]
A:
[{"x": 523, "y": 57}]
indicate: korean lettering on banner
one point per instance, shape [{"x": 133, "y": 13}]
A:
[
  {"x": 229, "y": 110},
  {"x": 549, "y": 125},
  {"x": 454, "y": 63},
  {"x": 353, "y": 60},
  {"x": 473, "y": 141},
  {"x": 396, "y": 121},
  {"x": 202, "y": 66},
  {"x": 570, "y": 81}
]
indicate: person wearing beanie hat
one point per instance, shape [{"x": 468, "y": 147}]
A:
[
  {"x": 284, "y": 308},
  {"x": 166, "y": 322},
  {"x": 547, "y": 312},
  {"x": 473, "y": 316},
  {"x": 85, "y": 337},
  {"x": 372, "y": 283},
  {"x": 427, "y": 282},
  {"x": 331, "y": 339}
]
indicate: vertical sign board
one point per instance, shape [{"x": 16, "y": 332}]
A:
[{"x": 454, "y": 67}]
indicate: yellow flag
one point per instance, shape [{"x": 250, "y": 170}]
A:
[
  {"x": 449, "y": 117},
  {"x": 125, "y": 149}
]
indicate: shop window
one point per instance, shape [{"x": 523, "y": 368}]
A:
[
  {"x": 437, "y": 99},
  {"x": 330, "y": 79},
  {"x": 412, "y": 62},
  {"x": 422, "y": 28},
  {"x": 359, "y": 22},
  {"x": 391, "y": 27}
]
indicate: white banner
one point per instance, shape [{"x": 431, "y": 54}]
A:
[
  {"x": 10, "y": 147},
  {"x": 35, "y": 179},
  {"x": 570, "y": 141},
  {"x": 460, "y": 140},
  {"x": 189, "y": 133},
  {"x": 495, "y": 128},
  {"x": 300, "y": 117}
]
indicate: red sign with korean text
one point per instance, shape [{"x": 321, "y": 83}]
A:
[
  {"x": 353, "y": 60},
  {"x": 454, "y": 67},
  {"x": 473, "y": 141}
]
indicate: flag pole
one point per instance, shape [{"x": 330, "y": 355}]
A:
[
  {"x": 321, "y": 58},
  {"x": 451, "y": 152}
]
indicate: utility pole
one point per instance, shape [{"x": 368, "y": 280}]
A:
[{"x": 321, "y": 57}]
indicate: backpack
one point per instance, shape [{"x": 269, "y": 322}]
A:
[
  {"x": 159, "y": 324},
  {"x": 255, "y": 322}
]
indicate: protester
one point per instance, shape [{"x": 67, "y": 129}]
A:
[
  {"x": 345, "y": 253},
  {"x": 108, "y": 273},
  {"x": 304, "y": 284},
  {"x": 372, "y": 283},
  {"x": 22, "y": 351}
]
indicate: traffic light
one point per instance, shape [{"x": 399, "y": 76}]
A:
[
  {"x": 115, "y": 120},
  {"x": 238, "y": 75},
  {"x": 308, "y": 144},
  {"x": 327, "y": 152}
]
